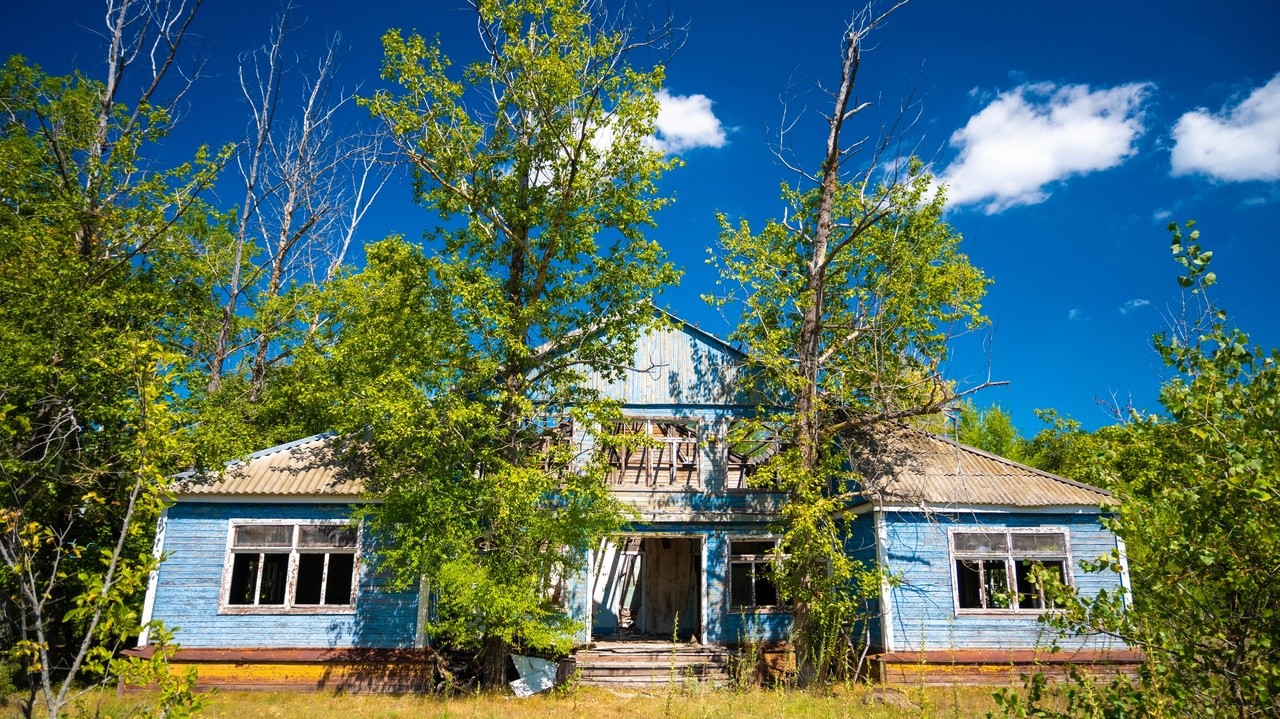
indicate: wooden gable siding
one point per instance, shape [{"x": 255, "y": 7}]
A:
[
  {"x": 190, "y": 582},
  {"x": 676, "y": 367},
  {"x": 922, "y": 608}
]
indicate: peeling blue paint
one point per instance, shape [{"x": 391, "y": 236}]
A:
[{"x": 690, "y": 375}]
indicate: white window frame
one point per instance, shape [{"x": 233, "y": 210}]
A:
[
  {"x": 1010, "y": 558},
  {"x": 291, "y": 581},
  {"x": 753, "y": 559}
]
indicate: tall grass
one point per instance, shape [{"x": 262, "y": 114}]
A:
[{"x": 841, "y": 702}]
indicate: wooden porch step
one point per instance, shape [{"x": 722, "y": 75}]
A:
[{"x": 650, "y": 663}]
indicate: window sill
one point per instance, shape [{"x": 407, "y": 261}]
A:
[
  {"x": 762, "y": 610},
  {"x": 278, "y": 610},
  {"x": 1003, "y": 613}
]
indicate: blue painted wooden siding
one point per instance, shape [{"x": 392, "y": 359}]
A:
[
  {"x": 685, "y": 367},
  {"x": 190, "y": 583},
  {"x": 860, "y": 545},
  {"x": 923, "y": 616}
]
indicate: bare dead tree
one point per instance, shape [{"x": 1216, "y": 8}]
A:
[
  {"x": 308, "y": 185},
  {"x": 850, "y": 302}
]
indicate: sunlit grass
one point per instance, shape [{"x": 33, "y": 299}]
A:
[{"x": 688, "y": 702}]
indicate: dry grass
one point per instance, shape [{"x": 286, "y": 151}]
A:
[{"x": 689, "y": 703}]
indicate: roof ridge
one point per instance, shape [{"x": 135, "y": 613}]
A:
[
  {"x": 1005, "y": 460},
  {"x": 282, "y": 447}
]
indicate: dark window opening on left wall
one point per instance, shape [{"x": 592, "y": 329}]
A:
[{"x": 280, "y": 567}]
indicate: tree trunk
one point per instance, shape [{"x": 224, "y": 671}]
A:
[
  {"x": 808, "y": 420},
  {"x": 494, "y": 667}
]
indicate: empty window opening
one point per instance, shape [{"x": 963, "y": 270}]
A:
[
  {"x": 322, "y": 558},
  {"x": 751, "y": 586},
  {"x": 996, "y": 571},
  {"x": 667, "y": 458},
  {"x": 750, "y": 450}
]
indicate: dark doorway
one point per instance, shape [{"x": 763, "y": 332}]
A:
[{"x": 643, "y": 586}]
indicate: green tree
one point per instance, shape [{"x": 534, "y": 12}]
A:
[
  {"x": 989, "y": 429},
  {"x": 98, "y": 274},
  {"x": 847, "y": 306},
  {"x": 463, "y": 361},
  {"x": 1200, "y": 516}
]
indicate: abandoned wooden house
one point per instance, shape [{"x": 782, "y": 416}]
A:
[{"x": 270, "y": 585}]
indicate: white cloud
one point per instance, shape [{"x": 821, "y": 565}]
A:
[
  {"x": 1074, "y": 314},
  {"x": 1161, "y": 215},
  {"x": 1132, "y": 305},
  {"x": 1239, "y": 143},
  {"x": 1038, "y": 134},
  {"x": 686, "y": 122}
]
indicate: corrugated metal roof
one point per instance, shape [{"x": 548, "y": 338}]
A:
[
  {"x": 309, "y": 466},
  {"x": 901, "y": 464}
]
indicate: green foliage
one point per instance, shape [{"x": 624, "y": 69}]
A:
[
  {"x": 1200, "y": 515},
  {"x": 176, "y": 697},
  {"x": 889, "y": 289},
  {"x": 989, "y": 429},
  {"x": 99, "y": 274},
  {"x": 458, "y": 364},
  {"x": 893, "y": 295}
]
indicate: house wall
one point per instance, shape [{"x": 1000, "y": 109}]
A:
[
  {"x": 922, "y": 608},
  {"x": 683, "y": 366},
  {"x": 860, "y": 546},
  {"x": 189, "y": 586},
  {"x": 692, "y": 375}
]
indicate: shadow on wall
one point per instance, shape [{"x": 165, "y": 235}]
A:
[{"x": 384, "y": 618}]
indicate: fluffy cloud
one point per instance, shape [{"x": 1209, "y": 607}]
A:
[
  {"x": 1240, "y": 143},
  {"x": 1132, "y": 305},
  {"x": 1037, "y": 134},
  {"x": 686, "y": 122}
]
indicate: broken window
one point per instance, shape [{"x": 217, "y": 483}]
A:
[
  {"x": 749, "y": 451},
  {"x": 280, "y": 567},
  {"x": 995, "y": 571},
  {"x": 751, "y": 586},
  {"x": 667, "y": 457},
  {"x": 554, "y": 435}
]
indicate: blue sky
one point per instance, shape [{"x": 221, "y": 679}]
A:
[{"x": 1070, "y": 135}]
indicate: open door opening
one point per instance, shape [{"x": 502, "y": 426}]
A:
[{"x": 647, "y": 588}]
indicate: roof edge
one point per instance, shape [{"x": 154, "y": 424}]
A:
[
  {"x": 283, "y": 447},
  {"x": 1012, "y": 463}
]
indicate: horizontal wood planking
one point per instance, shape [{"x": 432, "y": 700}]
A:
[
  {"x": 351, "y": 677},
  {"x": 998, "y": 668},
  {"x": 923, "y": 612},
  {"x": 190, "y": 583}
]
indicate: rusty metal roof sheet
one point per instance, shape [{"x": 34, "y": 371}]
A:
[
  {"x": 309, "y": 466},
  {"x": 901, "y": 464}
]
